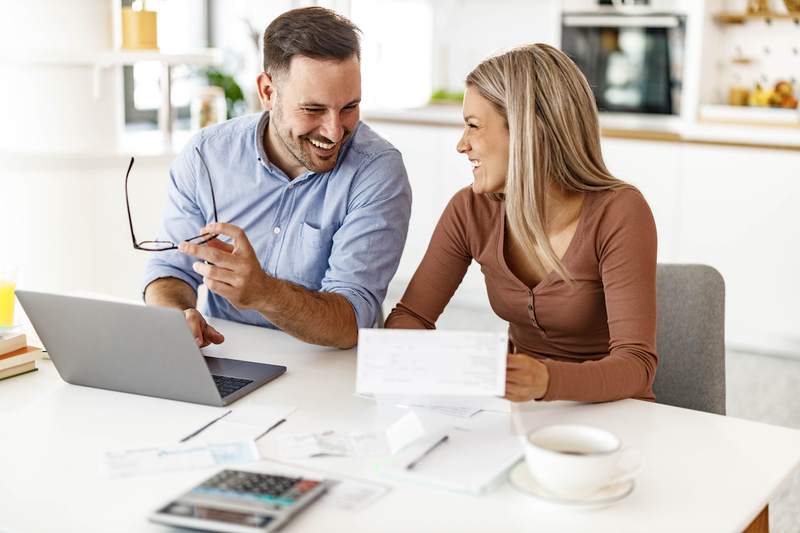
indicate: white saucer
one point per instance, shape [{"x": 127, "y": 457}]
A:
[{"x": 522, "y": 480}]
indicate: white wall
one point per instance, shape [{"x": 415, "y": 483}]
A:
[
  {"x": 48, "y": 100},
  {"x": 65, "y": 223},
  {"x": 467, "y": 31}
]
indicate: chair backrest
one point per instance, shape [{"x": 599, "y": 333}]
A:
[{"x": 690, "y": 339}]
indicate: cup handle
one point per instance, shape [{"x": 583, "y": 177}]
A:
[{"x": 631, "y": 471}]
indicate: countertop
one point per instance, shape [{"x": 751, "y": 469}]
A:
[{"x": 628, "y": 126}]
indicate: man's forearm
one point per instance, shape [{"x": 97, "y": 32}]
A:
[
  {"x": 170, "y": 292},
  {"x": 321, "y": 318}
]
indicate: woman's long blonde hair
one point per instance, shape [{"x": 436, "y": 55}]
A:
[{"x": 554, "y": 137}]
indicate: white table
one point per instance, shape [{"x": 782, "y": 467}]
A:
[{"x": 702, "y": 472}]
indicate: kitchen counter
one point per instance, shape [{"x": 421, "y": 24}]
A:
[{"x": 626, "y": 126}]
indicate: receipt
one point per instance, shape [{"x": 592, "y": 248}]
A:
[{"x": 122, "y": 463}]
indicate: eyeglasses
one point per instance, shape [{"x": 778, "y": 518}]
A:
[{"x": 162, "y": 246}]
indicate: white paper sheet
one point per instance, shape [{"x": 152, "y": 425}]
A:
[
  {"x": 451, "y": 410},
  {"x": 472, "y": 460},
  {"x": 404, "y": 431},
  {"x": 461, "y": 406},
  {"x": 121, "y": 463},
  {"x": 244, "y": 423},
  {"x": 354, "y": 495},
  {"x": 432, "y": 363}
]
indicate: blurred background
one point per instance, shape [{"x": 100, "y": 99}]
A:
[{"x": 698, "y": 103}]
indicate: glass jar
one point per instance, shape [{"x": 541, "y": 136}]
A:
[{"x": 208, "y": 107}]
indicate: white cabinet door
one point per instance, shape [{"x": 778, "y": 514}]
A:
[
  {"x": 436, "y": 171},
  {"x": 740, "y": 215},
  {"x": 657, "y": 170}
]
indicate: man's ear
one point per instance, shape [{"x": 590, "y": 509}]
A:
[{"x": 266, "y": 91}]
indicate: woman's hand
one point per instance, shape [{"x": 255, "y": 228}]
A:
[{"x": 526, "y": 378}]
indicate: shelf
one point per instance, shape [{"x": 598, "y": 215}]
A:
[
  {"x": 108, "y": 58},
  {"x": 208, "y": 56},
  {"x": 741, "y": 18},
  {"x": 100, "y": 60},
  {"x": 750, "y": 115}
]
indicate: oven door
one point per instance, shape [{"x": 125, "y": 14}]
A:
[{"x": 632, "y": 62}]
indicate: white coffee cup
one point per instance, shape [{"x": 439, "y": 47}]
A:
[{"x": 573, "y": 461}]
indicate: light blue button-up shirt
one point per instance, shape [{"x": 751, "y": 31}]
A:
[{"x": 340, "y": 231}]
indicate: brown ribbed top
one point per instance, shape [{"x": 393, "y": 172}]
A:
[{"x": 598, "y": 337}]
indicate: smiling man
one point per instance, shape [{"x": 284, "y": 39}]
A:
[{"x": 314, "y": 206}]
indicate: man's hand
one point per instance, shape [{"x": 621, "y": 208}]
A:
[
  {"x": 526, "y": 378},
  {"x": 233, "y": 270},
  {"x": 203, "y": 333}
]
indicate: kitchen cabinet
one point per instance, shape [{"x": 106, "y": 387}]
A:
[
  {"x": 740, "y": 215},
  {"x": 733, "y": 208}
]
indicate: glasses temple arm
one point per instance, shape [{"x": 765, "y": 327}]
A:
[
  {"x": 128, "y": 204},
  {"x": 210, "y": 182}
]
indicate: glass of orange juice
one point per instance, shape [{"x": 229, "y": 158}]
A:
[{"x": 8, "y": 282}]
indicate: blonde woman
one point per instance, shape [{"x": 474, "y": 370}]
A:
[{"x": 567, "y": 250}]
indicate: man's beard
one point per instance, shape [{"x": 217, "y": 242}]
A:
[{"x": 301, "y": 150}]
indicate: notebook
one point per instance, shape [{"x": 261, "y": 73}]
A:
[{"x": 472, "y": 460}]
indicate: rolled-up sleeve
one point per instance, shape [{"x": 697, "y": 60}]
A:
[
  {"x": 367, "y": 246},
  {"x": 183, "y": 218}
]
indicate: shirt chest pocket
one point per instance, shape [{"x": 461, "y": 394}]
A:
[{"x": 311, "y": 257}]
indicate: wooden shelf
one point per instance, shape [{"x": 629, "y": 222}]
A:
[{"x": 742, "y": 18}]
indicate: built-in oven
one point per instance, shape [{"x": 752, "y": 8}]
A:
[{"x": 631, "y": 52}]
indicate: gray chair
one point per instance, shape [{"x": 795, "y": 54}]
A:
[{"x": 690, "y": 339}]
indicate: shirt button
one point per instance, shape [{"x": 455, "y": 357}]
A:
[
  {"x": 291, "y": 185},
  {"x": 530, "y": 307},
  {"x": 276, "y": 230}
]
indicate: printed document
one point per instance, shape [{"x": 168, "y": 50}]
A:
[{"x": 431, "y": 363}]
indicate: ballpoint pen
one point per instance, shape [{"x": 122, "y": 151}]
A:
[
  {"x": 195, "y": 433},
  {"x": 424, "y": 454},
  {"x": 273, "y": 426}
]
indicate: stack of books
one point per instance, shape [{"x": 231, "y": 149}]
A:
[{"x": 16, "y": 357}]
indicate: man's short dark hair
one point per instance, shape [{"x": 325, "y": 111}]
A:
[{"x": 313, "y": 32}]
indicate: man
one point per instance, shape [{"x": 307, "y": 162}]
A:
[{"x": 314, "y": 205}]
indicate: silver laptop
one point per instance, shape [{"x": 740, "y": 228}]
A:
[{"x": 138, "y": 349}]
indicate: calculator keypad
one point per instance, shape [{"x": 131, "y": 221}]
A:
[{"x": 266, "y": 488}]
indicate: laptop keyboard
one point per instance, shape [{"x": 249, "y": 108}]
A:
[{"x": 227, "y": 385}]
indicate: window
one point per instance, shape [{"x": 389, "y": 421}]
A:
[{"x": 182, "y": 25}]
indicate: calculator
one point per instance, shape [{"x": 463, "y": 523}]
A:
[{"x": 237, "y": 501}]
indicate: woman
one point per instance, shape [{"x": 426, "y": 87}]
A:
[{"x": 568, "y": 251}]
